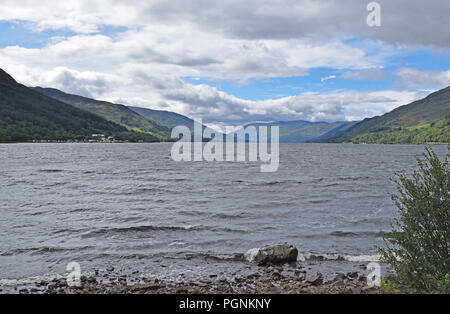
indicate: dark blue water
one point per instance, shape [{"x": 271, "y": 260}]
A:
[{"x": 131, "y": 206}]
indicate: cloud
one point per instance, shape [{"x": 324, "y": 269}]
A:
[
  {"x": 88, "y": 84},
  {"x": 414, "y": 78},
  {"x": 193, "y": 53},
  {"x": 255, "y": 39},
  {"x": 288, "y": 19},
  {"x": 323, "y": 79},
  {"x": 403, "y": 21},
  {"x": 365, "y": 74},
  {"x": 217, "y": 107}
]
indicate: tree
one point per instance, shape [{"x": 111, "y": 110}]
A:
[{"x": 418, "y": 246}]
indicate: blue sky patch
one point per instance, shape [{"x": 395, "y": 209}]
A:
[{"x": 25, "y": 34}]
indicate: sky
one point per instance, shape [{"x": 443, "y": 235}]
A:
[{"x": 232, "y": 62}]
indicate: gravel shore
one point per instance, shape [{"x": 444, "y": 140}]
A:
[{"x": 270, "y": 279}]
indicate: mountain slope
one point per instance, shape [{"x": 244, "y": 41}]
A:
[
  {"x": 301, "y": 131},
  {"x": 27, "y": 115},
  {"x": 418, "y": 122},
  {"x": 168, "y": 118},
  {"x": 290, "y": 131},
  {"x": 435, "y": 132},
  {"x": 119, "y": 114}
]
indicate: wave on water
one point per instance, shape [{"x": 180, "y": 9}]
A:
[
  {"x": 309, "y": 256},
  {"x": 42, "y": 250},
  {"x": 345, "y": 234},
  {"x": 141, "y": 228},
  {"x": 29, "y": 280},
  {"x": 50, "y": 170},
  {"x": 251, "y": 254},
  {"x": 276, "y": 182},
  {"x": 149, "y": 228},
  {"x": 231, "y": 215},
  {"x": 302, "y": 256},
  {"x": 355, "y": 234}
]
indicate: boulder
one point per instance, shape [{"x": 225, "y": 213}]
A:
[
  {"x": 301, "y": 276},
  {"x": 316, "y": 280},
  {"x": 273, "y": 254},
  {"x": 352, "y": 275}
]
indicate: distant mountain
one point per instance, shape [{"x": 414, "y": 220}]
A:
[
  {"x": 26, "y": 115},
  {"x": 290, "y": 131},
  {"x": 423, "y": 121},
  {"x": 168, "y": 118},
  {"x": 119, "y": 114},
  {"x": 301, "y": 131}
]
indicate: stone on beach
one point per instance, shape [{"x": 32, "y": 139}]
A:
[
  {"x": 140, "y": 287},
  {"x": 275, "y": 254},
  {"x": 316, "y": 280}
]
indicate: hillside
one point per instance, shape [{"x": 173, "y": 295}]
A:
[
  {"x": 119, "y": 114},
  {"x": 435, "y": 132},
  {"x": 171, "y": 119},
  {"x": 168, "y": 118},
  {"x": 422, "y": 121},
  {"x": 290, "y": 131},
  {"x": 26, "y": 115},
  {"x": 301, "y": 131}
]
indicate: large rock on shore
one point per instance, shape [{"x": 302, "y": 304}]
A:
[{"x": 275, "y": 254}]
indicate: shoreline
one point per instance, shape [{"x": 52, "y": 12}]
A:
[
  {"x": 272, "y": 281},
  {"x": 293, "y": 278}
]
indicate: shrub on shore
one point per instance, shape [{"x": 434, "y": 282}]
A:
[{"x": 417, "y": 248}]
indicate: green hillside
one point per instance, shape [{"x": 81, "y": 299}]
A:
[
  {"x": 422, "y": 121},
  {"x": 168, "y": 118},
  {"x": 301, "y": 131},
  {"x": 435, "y": 132},
  {"x": 113, "y": 112},
  {"x": 26, "y": 115}
]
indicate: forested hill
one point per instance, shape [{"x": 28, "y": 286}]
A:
[
  {"x": 423, "y": 121},
  {"x": 26, "y": 115},
  {"x": 117, "y": 113}
]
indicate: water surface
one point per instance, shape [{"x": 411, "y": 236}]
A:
[{"x": 131, "y": 206}]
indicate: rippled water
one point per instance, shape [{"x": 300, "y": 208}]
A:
[{"x": 131, "y": 206}]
